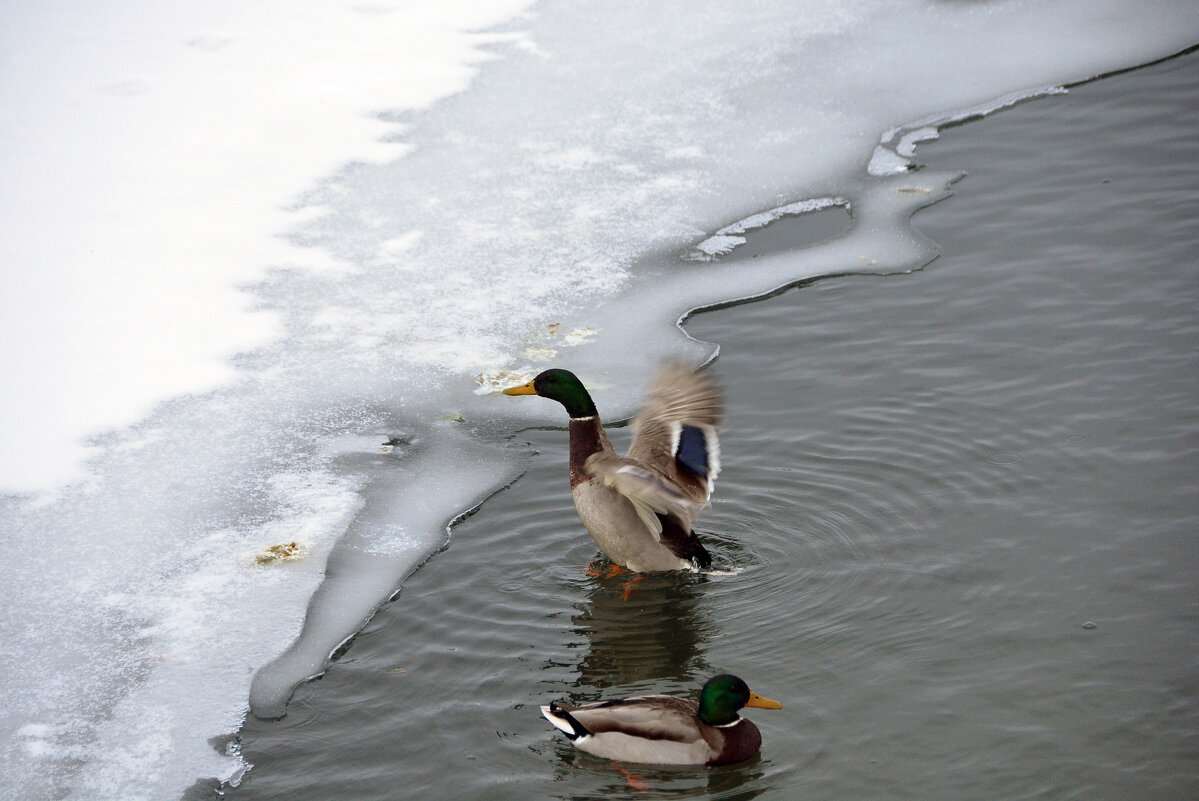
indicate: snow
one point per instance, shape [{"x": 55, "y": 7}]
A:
[{"x": 152, "y": 155}]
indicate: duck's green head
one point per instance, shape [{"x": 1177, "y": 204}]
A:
[
  {"x": 724, "y": 695},
  {"x": 562, "y": 386}
]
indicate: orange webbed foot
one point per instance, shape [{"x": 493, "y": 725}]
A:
[
  {"x": 605, "y": 570},
  {"x": 635, "y": 781},
  {"x": 628, "y": 587}
]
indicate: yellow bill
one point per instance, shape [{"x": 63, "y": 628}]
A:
[
  {"x": 758, "y": 702},
  {"x": 523, "y": 389}
]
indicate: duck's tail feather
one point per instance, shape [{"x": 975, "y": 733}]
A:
[{"x": 557, "y": 714}]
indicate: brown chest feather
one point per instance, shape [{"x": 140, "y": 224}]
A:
[
  {"x": 739, "y": 743},
  {"x": 586, "y": 437}
]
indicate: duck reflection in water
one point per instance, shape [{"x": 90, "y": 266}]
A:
[
  {"x": 654, "y": 631},
  {"x": 741, "y": 782}
]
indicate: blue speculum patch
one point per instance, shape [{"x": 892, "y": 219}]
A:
[{"x": 692, "y": 451}]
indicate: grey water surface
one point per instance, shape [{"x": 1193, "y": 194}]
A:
[{"x": 962, "y": 505}]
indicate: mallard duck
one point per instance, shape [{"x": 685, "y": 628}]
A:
[
  {"x": 664, "y": 730},
  {"x": 639, "y": 508}
]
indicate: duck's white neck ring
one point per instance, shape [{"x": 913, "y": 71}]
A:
[{"x": 729, "y": 725}]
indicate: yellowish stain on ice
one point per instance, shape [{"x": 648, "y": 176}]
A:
[
  {"x": 497, "y": 379},
  {"x": 283, "y": 552},
  {"x": 539, "y": 354},
  {"x": 579, "y": 335}
]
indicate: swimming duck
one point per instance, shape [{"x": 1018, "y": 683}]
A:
[
  {"x": 639, "y": 508},
  {"x": 664, "y": 730}
]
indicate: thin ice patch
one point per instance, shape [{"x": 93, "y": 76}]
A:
[{"x": 729, "y": 237}]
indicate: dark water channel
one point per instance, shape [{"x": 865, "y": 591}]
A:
[{"x": 964, "y": 503}]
